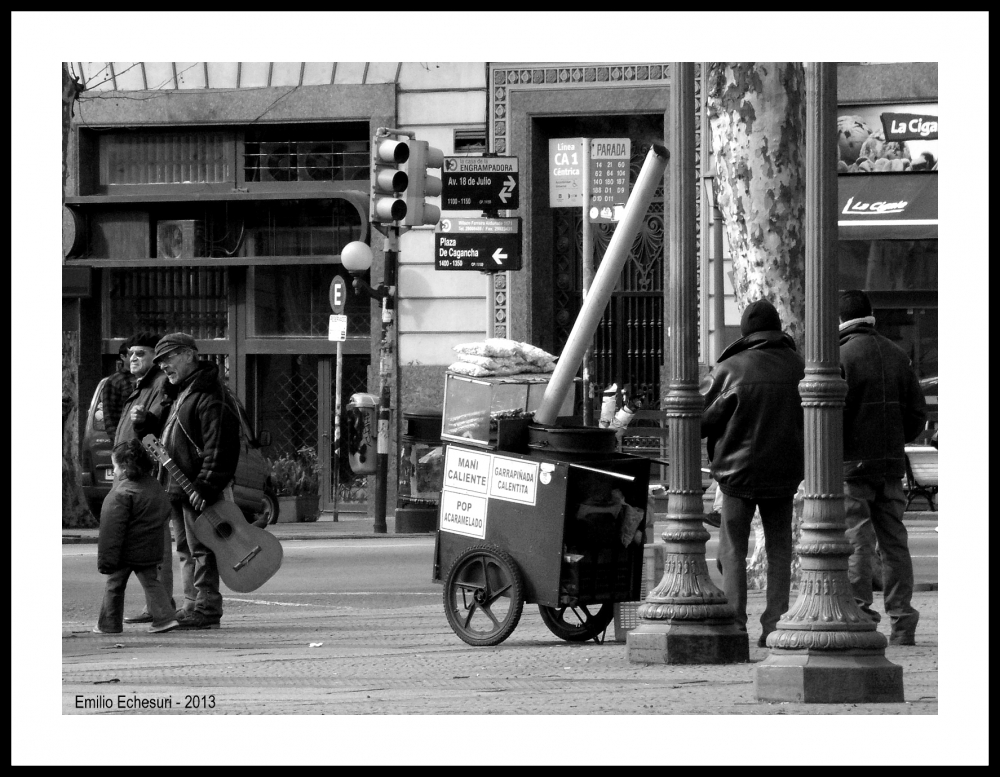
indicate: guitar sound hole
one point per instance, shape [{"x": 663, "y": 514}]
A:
[{"x": 224, "y": 530}]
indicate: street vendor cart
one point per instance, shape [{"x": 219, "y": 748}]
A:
[
  {"x": 535, "y": 510},
  {"x": 552, "y": 516}
]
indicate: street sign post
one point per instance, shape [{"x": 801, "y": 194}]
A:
[
  {"x": 480, "y": 183},
  {"x": 338, "y": 333},
  {"x": 488, "y": 245},
  {"x": 338, "y": 294}
]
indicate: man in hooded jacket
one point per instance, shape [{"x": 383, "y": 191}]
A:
[
  {"x": 754, "y": 424},
  {"x": 884, "y": 410}
]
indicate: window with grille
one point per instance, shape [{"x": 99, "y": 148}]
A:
[
  {"x": 143, "y": 158},
  {"x": 302, "y": 227},
  {"x": 176, "y": 299},
  {"x": 295, "y": 302},
  {"x": 307, "y": 153}
]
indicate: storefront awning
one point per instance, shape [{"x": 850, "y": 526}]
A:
[{"x": 888, "y": 206}]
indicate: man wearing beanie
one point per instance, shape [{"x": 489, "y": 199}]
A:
[
  {"x": 753, "y": 422},
  {"x": 884, "y": 410},
  {"x": 201, "y": 434}
]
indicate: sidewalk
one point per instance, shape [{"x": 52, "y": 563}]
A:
[{"x": 357, "y": 526}]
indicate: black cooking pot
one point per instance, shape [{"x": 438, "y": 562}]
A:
[{"x": 571, "y": 439}]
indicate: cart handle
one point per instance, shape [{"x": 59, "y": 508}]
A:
[{"x": 618, "y": 475}]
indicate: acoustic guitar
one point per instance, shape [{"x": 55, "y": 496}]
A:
[{"x": 247, "y": 556}]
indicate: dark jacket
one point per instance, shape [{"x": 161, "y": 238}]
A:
[
  {"x": 753, "y": 417},
  {"x": 149, "y": 393},
  {"x": 116, "y": 390},
  {"x": 885, "y": 407},
  {"x": 132, "y": 519},
  {"x": 203, "y": 437}
]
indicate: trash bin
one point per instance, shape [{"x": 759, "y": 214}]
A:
[{"x": 421, "y": 472}]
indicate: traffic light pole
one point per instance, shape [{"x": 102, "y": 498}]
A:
[{"x": 385, "y": 372}]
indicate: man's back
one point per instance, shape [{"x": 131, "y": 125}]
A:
[{"x": 884, "y": 408}]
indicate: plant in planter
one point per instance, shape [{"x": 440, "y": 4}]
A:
[{"x": 296, "y": 481}]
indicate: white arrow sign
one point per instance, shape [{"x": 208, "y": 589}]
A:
[
  {"x": 507, "y": 189},
  {"x": 499, "y": 256}
]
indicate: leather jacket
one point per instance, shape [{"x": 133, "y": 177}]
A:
[
  {"x": 202, "y": 435},
  {"x": 753, "y": 417}
]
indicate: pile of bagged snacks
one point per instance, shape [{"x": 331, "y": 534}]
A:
[{"x": 497, "y": 356}]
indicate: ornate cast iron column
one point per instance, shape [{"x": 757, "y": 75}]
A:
[
  {"x": 685, "y": 619},
  {"x": 824, "y": 649}
]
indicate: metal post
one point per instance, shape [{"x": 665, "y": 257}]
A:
[
  {"x": 686, "y": 619},
  {"x": 587, "y": 261},
  {"x": 338, "y": 380},
  {"x": 385, "y": 371},
  {"x": 719, "y": 275},
  {"x": 825, "y": 649}
]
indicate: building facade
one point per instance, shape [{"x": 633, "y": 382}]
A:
[{"x": 215, "y": 198}]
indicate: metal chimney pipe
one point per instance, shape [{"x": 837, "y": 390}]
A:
[{"x": 603, "y": 284}]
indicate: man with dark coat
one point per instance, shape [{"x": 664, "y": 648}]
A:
[
  {"x": 116, "y": 390},
  {"x": 201, "y": 434},
  {"x": 884, "y": 410},
  {"x": 136, "y": 422},
  {"x": 754, "y": 424}
]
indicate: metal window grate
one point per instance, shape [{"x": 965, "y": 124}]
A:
[
  {"x": 305, "y": 160},
  {"x": 181, "y": 299},
  {"x": 130, "y": 158}
]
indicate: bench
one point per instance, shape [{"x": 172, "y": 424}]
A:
[
  {"x": 921, "y": 473},
  {"x": 648, "y": 435}
]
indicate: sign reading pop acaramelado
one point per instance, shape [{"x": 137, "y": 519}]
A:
[
  {"x": 488, "y": 245},
  {"x": 473, "y": 478},
  {"x": 479, "y": 183}
]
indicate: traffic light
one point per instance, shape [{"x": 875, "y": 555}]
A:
[
  {"x": 388, "y": 180},
  {"x": 421, "y": 185}
]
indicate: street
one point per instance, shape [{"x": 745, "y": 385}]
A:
[
  {"x": 355, "y": 627},
  {"x": 364, "y": 574}
]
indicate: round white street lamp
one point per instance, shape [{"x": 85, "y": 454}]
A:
[{"x": 356, "y": 257}]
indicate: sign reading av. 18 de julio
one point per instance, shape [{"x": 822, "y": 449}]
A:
[{"x": 479, "y": 183}]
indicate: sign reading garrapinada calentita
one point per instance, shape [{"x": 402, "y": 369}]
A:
[{"x": 472, "y": 478}]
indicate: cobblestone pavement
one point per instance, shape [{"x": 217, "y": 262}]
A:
[{"x": 351, "y": 661}]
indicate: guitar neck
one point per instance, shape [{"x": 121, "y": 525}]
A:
[{"x": 179, "y": 477}]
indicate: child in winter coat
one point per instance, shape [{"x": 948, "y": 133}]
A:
[{"x": 131, "y": 540}]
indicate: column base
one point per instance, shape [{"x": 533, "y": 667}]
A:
[
  {"x": 666, "y": 643},
  {"x": 852, "y": 677}
]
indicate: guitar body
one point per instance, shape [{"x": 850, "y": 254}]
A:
[{"x": 246, "y": 555}]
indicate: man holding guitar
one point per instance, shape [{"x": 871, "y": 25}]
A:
[{"x": 201, "y": 436}]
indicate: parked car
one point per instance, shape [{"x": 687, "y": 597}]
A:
[
  {"x": 95, "y": 454},
  {"x": 253, "y": 490}
]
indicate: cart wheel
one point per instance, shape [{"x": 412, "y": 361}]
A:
[
  {"x": 483, "y": 595},
  {"x": 577, "y": 624}
]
